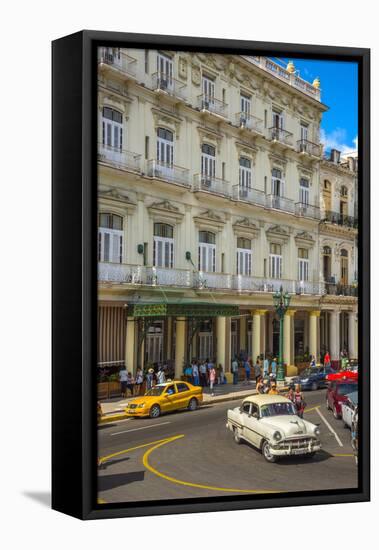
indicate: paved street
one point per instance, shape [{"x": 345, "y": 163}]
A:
[{"x": 192, "y": 454}]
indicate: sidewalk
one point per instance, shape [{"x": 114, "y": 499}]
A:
[{"x": 114, "y": 409}]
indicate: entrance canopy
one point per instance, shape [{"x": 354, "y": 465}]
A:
[{"x": 182, "y": 309}]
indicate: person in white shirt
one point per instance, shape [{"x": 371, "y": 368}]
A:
[
  {"x": 123, "y": 378},
  {"x": 195, "y": 373}
]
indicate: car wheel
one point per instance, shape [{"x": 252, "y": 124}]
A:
[
  {"x": 335, "y": 413},
  {"x": 236, "y": 435},
  {"x": 192, "y": 405},
  {"x": 155, "y": 411},
  {"x": 314, "y": 386},
  {"x": 267, "y": 452}
]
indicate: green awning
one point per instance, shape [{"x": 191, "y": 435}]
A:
[{"x": 188, "y": 309}]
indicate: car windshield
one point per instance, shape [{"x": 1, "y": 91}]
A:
[
  {"x": 277, "y": 409},
  {"x": 157, "y": 390},
  {"x": 343, "y": 389}
]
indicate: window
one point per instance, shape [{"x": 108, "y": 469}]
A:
[
  {"x": 246, "y": 408},
  {"x": 304, "y": 191},
  {"x": 165, "y": 71},
  {"x": 154, "y": 342},
  {"x": 170, "y": 390},
  {"x": 303, "y": 264},
  {"x": 275, "y": 261},
  {"x": 245, "y": 173},
  {"x": 205, "y": 340},
  {"x": 110, "y": 238},
  {"x": 165, "y": 148},
  {"x": 112, "y": 128},
  {"x": 277, "y": 119},
  {"x": 182, "y": 387},
  {"x": 208, "y": 164},
  {"x": 343, "y": 200},
  {"x": 163, "y": 245},
  {"x": 208, "y": 86},
  {"x": 245, "y": 106},
  {"x": 207, "y": 251},
  {"x": 344, "y": 266},
  {"x": 243, "y": 256},
  {"x": 277, "y": 182},
  {"x": 327, "y": 195},
  {"x": 304, "y": 132}
]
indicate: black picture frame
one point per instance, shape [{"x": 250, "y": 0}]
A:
[{"x": 74, "y": 269}]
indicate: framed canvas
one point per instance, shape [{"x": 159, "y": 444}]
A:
[{"x": 210, "y": 275}]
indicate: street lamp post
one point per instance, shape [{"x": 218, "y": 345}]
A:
[{"x": 281, "y": 304}]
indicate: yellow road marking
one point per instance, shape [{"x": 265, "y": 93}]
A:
[
  {"x": 153, "y": 470},
  {"x": 312, "y": 409},
  {"x": 343, "y": 454},
  {"x": 103, "y": 459}
]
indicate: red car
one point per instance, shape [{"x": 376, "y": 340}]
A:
[
  {"x": 342, "y": 375},
  {"x": 337, "y": 392}
]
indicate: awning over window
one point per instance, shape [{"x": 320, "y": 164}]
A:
[{"x": 182, "y": 310}]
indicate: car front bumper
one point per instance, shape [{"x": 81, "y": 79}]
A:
[
  {"x": 137, "y": 412},
  {"x": 293, "y": 448}
]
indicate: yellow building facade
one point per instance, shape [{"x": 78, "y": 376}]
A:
[{"x": 212, "y": 196}]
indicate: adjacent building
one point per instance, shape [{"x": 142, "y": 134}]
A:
[{"x": 213, "y": 193}]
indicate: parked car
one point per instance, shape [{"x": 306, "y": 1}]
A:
[
  {"x": 167, "y": 397},
  {"x": 337, "y": 393},
  {"x": 348, "y": 408},
  {"x": 270, "y": 423},
  {"x": 312, "y": 378},
  {"x": 354, "y": 435}
]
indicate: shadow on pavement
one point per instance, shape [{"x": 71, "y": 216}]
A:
[
  {"x": 112, "y": 462},
  {"x": 112, "y": 481}
]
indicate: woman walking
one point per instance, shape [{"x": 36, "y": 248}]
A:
[{"x": 212, "y": 378}]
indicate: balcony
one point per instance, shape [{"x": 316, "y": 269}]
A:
[
  {"x": 249, "y": 122},
  {"x": 210, "y": 184},
  {"x": 168, "y": 85},
  {"x": 168, "y": 172},
  {"x": 338, "y": 289},
  {"x": 204, "y": 280},
  {"x": 168, "y": 277},
  {"x": 249, "y": 194},
  {"x": 280, "y": 203},
  {"x": 120, "y": 273},
  {"x": 340, "y": 219},
  {"x": 211, "y": 105},
  {"x": 305, "y": 146},
  {"x": 119, "y": 158},
  {"x": 307, "y": 211},
  {"x": 279, "y": 135},
  {"x": 118, "y": 60}
]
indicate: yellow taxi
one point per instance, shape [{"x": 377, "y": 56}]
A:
[{"x": 170, "y": 396}]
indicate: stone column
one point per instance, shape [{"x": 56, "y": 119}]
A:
[
  {"x": 288, "y": 344},
  {"x": 130, "y": 345},
  {"x": 221, "y": 341},
  {"x": 180, "y": 346},
  {"x": 334, "y": 335},
  {"x": 257, "y": 342},
  {"x": 243, "y": 329},
  {"x": 353, "y": 330},
  {"x": 313, "y": 331},
  {"x": 169, "y": 338}
]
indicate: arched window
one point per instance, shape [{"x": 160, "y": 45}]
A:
[
  {"x": 244, "y": 256},
  {"x": 303, "y": 264},
  {"x": 276, "y": 261},
  {"x": 110, "y": 238},
  {"x": 163, "y": 254},
  {"x": 207, "y": 251},
  {"x": 327, "y": 250},
  {"x": 343, "y": 191},
  {"x": 112, "y": 129}
]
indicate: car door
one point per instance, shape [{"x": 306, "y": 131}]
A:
[
  {"x": 251, "y": 430},
  {"x": 183, "y": 395},
  {"x": 169, "y": 398}
]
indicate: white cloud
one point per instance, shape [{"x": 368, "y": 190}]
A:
[{"x": 337, "y": 139}]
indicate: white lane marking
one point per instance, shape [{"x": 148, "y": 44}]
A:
[
  {"x": 142, "y": 428},
  {"x": 329, "y": 426}
]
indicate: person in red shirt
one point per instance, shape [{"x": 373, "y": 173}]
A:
[{"x": 327, "y": 359}]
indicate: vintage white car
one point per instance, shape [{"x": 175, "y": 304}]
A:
[
  {"x": 270, "y": 423},
  {"x": 348, "y": 408}
]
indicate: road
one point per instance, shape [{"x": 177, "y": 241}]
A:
[{"x": 192, "y": 454}]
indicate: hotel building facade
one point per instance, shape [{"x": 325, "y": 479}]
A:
[{"x": 214, "y": 192}]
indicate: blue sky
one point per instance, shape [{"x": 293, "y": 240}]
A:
[{"x": 339, "y": 91}]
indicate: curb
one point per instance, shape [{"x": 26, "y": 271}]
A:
[{"x": 112, "y": 418}]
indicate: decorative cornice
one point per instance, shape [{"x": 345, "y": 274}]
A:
[
  {"x": 114, "y": 194},
  {"x": 304, "y": 239},
  {"x": 161, "y": 116},
  {"x": 209, "y": 219},
  {"x": 245, "y": 226},
  {"x": 276, "y": 233},
  {"x": 165, "y": 210}
]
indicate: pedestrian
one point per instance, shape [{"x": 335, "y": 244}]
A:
[
  {"x": 291, "y": 395},
  {"x": 220, "y": 374},
  {"x": 273, "y": 390},
  {"x": 273, "y": 367},
  {"x": 149, "y": 379},
  {"x": 235, "y": 370},
  {"x": 299, "y": 401},
  {"x": 313, "y": 361},
  {"x": 161, "y": 376},
  {"x": 195, "y": 373},
  {"x": 123, "y": 377},
  {"x": 130, "y": 383},
  {"x": 246, "y": 366},
  {"x": 260, "y": 385},
  {"x": 188, "y": 373},
  {"x": 327, "y": 360},
  {"x": 257, "y": 370},
  {"x": 138, "y": 381},
  {"x": 203, "y": 374},
  {"x": 212, "y": 378},
  {"x": 265, "y": 366}
]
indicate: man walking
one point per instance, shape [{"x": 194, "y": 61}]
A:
[
  {"x": 247, "y": 371},
  {"x": 235, "y": 370},
  {"x": 265, "y": 366},
  {"x": 195, "y": 373},
  {"x": 203, "y": 374},
  {"x": 257, "y": 371}
]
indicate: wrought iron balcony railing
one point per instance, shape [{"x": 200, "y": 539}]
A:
[
  {"x": 246, "y": 120},
  {"x": 339, "y": 219},
  {"x": 168, "y": 172},
  {"x": 280, "y": 203},
  {"x": 118, "y": 158},
  {"x": 305, "y": 146},
  {"x": 119, "y": 60},
  {"x": 168, "y": 277},
  {"x": 203, "y": 280},
  {"x": 338, "y": 289},
  {"x": 280, "y": 135},
  {"x": 212, "y": 105},
  {"x": 307, "y": 211},
  {"x": 217, "y": 186},
  {"x": 163, "y": 82},
  {"x": 121, "y": 273},
  {"x": 249, "y": 194}
]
